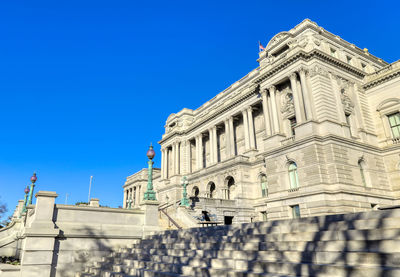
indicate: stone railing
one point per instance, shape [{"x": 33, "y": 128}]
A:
[{"x": 57, "y": 240}]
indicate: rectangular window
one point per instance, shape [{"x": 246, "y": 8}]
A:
[
  {"x": 264, "y": 216},
  {"x": 295, "y": 211},
  {"x": 348, "y": 121},
  {"x": 293, "y": 123},
  {"x": 394, "y": 122}
]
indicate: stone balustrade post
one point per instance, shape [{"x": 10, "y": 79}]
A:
[{"x": 39, "y": 241}]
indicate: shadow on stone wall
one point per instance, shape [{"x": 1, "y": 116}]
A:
[{"x": 96, "y": 247}]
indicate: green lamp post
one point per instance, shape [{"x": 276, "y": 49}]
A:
[
  {"x": 26, "y": 190},
  {"x": 150, "y": 194},
  {"x": 33, "y": 180},
  {"x": 185, "y": 200}
]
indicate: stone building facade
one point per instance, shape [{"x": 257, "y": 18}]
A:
[{"x": 314, "y": 129}]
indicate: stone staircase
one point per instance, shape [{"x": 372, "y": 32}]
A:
[{"x": 359, "y": 244}]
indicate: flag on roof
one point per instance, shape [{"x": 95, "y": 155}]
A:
[{"x": 260, "y": 47}]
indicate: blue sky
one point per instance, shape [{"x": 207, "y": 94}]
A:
[{"x": 87, "y": 85}]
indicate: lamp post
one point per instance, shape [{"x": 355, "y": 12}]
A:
[
  {"x": 26, "y": 190},
  {"x": 33, "y": 180},
  {"x": 150, "y": 194},
  {"x": 185, "y": 200}
]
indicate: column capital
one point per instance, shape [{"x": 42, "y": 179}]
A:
[
  {"x": 272, "y": 89},
  {"x": 249, "y": 108},
  {"x": 293, "y": 76},
  {"x": 303, "y": 70},
  {"x": 263, "y": 91}
]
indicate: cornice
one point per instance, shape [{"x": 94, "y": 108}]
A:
[
  {"x": 332, "y": 37},
  {"x": 385, "y": 77}
]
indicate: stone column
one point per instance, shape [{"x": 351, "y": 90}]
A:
[
  {"x": 162, "y": 164},
  {"x": 251, "y": 128},
  {"x": 232, "y": 137},
  {"x": 246, "y": 130},
  {"x": 215, "y": 144},
  {"x": 38, "y": 244},
  {"x": 176, "y": 158},
  {"x": 306, "y": 94},
  {"x": 188, "y": 157},
  {"x": 200, "y": 161},
  {"x": 275, "y": 115},
  {"x": 227, "y": 139},
  {"x": 125, "y": 198},
  {"x": 296, "y": 100},
  {"x": 266, "y": 112},
  {"x": 172, "y": 160},
  {"x": 211, "y": 144}
]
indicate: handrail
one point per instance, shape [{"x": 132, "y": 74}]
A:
[
  {"x": 167, "y": 205},
  {"x": 170, "y": 219}
]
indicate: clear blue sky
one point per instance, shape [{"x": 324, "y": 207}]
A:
[{"x": 87, "y": 85}]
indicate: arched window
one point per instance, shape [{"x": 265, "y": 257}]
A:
[
  {"x": 361, "y": 165},
  {"x": 293, "y": 178},
  {"x": 212, "y": 190},
  {"x": 195, "y": 192},
  {"x": 231, "y": 188},
  {"x": 264, "y": 185}
]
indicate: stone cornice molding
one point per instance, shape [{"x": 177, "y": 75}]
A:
[
  {"x": 385, "y": 78},
  {"x": 308, "y": 24},
  {"x": 277, "y": 68}
]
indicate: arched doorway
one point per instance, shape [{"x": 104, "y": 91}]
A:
[
  {"x": 195, "y": 191},
  {"x": 230, "y": 184},
  {"x": 211, "y": 190}
]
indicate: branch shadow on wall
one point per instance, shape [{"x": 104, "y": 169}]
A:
[{"x": 68, "y": 261}]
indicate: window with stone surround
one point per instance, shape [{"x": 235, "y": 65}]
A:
[
  {"x": 264, "y": 185},
  {"x": 295, "y": 211},
  {"x": 361, "y": 165},
  {"x": 348, "y": 58},
  {"x": 293, "y": 123},
  {"x": 394, "y": 123},
  {"x": 333, "y": 53},
  {"x": 264, "y": 216},
  {"x": 293, "y": 177}
]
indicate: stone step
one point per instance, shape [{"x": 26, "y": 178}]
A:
[
  {"x": 296, "y": 269},
  {"x": 356, "y": 235}
]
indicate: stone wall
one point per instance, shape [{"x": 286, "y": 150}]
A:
[{"x": 57, "y": 240}]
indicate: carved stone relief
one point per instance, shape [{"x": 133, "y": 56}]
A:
[{"x": 287, "y": 107}]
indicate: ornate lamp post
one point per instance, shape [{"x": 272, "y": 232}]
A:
[
  {"x": 185, "y": 200},
  {"x": 26, "y": 190},
  {"x": 150, "y": 194},
  {"x": 33, "y": 180}
]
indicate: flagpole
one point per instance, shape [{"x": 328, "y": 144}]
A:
[{"x": 90, "y": 185}]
